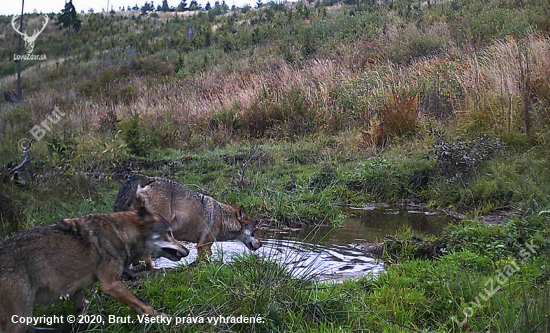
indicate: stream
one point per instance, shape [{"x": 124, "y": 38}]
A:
[{"x": 325, "y": 253}]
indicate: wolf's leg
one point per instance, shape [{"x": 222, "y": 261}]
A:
[
  {"x": 79, "y": 302},
  {"x": 17, "y": 300},
  {"x": 204, "y": 251},
  {"x": 80, "y": 307},
  {"x": 204, "y": 245},
  {"x": 108, "y": 277},
  {"x": 148, "y": 264}
]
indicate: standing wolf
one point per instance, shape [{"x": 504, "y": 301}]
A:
[
  {"x": 47, "y": 263},
  {"x": 194, "y": 217}
]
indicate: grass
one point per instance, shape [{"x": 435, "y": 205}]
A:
[
  {"x": 294, "y": 110},
  {"x": 420, "y": 295}
]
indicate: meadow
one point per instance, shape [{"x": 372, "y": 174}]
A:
[{"x": 296, "y": 110}]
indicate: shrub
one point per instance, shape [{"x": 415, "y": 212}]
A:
[
  {"x": 226, "y": 120},
  {"x": 137, "y": 137},
  {"x": 461, "y": 157},
  {"x": 150, "y": 67},
  {"x": 398, "y": 117},
  {"x": 288, "y": 114},
  {"x": 414, "y": 43}
]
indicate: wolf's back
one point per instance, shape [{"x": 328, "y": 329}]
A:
[{"x": 126, "y": 194}]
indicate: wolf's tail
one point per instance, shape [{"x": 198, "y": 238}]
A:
[{"x": 126, "y": 194}]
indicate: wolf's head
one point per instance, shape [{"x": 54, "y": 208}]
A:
[
  {"x": 248, "y": 226},
  {"x": 159, "y": 240}
]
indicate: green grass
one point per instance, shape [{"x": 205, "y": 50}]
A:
[
  {"x": 313, "y": 157},
  {"x": 302, "y": 183},
  {"x": 421, "y": 295}
]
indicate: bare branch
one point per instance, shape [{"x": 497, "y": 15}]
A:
[{"x": 26, "y": 159}]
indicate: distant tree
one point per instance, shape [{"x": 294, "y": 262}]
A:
[
  {"x": 245, "y": 9},
  {"x": 208, "y": 6},
  {"x": 233, "y": 7},
  {"x": 259, "y": 4},
  {"x": 159, "y": 8},
  {"x": 147, "y": 7},
  {"x": 194, "y": 5},
  {"x": 91, "y": 10},
  {"x": 225, "y": 6},
  {"x": 182, "y": 6},
  {"x": 128, "y": 8},
  {"x": 69, "y": 19},
  {"x": 135, "y": 7},
  {"x": 165, "y": 7},
  {"x": 216, "y": 4}
]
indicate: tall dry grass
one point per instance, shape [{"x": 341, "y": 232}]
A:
[{"x": 486, "y": 86}]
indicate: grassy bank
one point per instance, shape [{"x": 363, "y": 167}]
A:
[
  {"x": 417, "y": 295},
  {"x": 306, "y": 182}
]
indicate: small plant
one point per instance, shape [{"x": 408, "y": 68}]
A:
[
  {"x": 462, "y": 157},
  {"x": 137, "y": 137},
  {"x": 398, "y": 117},
  {"x": 288, "y": 114}
]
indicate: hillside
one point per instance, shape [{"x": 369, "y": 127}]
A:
[{"x": 295, "y": 110}]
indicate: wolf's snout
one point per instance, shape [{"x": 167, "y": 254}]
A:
[
  {"x": 185, "y": 251},
  {"x": 173, "y": 251},
  {"x": 253, "y": 244},
  {"x": 173, "y": 254},
  {"x": 256, "y": 244}
]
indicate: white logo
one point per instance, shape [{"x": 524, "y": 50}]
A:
[{"x": 29, "y": 40}]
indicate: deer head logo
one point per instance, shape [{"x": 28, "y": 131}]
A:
[{"x": 29, "y": 40}]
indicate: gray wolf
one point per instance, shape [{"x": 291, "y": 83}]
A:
[
  {"x": 50, "y": 262},
  {"x": 194, "y": 217}
]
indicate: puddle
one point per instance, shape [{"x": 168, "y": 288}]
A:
[{"x": 328, "y": 254}]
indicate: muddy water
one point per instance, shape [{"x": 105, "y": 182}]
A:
[{"x": 328, "y": 253}]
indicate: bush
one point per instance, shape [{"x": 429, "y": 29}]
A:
[
  {"x": 398, "y": 117},
  {"x": 137, "y": 137},
  {"x": 414, "y": 44},
  {"x": 461, "y": 157},
  {"x": 286, "y": 114}
]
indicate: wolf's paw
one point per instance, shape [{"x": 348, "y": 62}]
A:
[{"x": 129, "y": 275}]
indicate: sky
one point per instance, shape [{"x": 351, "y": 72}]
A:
[{"x": 10, "y": 7}]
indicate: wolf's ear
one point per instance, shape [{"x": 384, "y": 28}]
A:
[
  {"x": 145, "y": 215},
  {"x": 144, "y": 181},
  {"x": 241, "y": 212}
]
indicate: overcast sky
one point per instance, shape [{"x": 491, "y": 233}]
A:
[{"x": 10, "y": 7}]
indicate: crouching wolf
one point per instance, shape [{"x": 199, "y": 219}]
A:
[
  {"x": 47, "y": 263},
  {"x": 194, "y": 217}
]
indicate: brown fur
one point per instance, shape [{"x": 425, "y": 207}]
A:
[
  {"x": 44, "y": 263},
  {"x": 194, "y": 217}
]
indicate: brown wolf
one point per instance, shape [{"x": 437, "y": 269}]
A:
[
  {"x": 47, "y": 263},
  {"x": 194, "y": 217}
]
